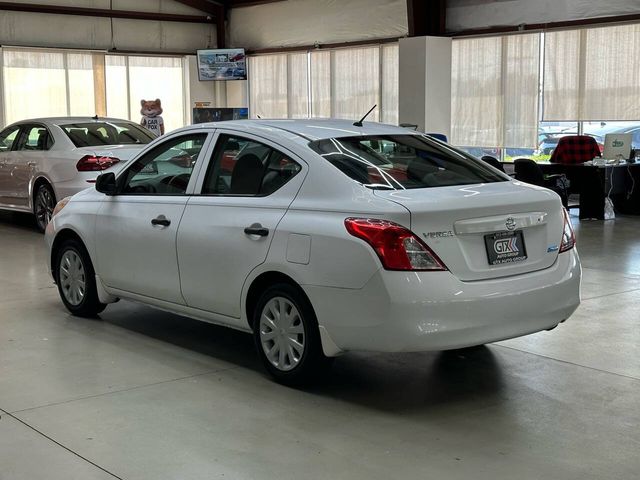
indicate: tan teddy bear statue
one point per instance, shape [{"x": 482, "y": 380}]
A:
[{"x": 151, "y": 112}]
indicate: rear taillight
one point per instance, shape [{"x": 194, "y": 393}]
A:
[
  {"x": 397, "y": 247},
  {"x": 568, "y": 237},
  {"x": 93, "y": 163}
]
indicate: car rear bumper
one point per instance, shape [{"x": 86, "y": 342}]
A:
[
  {"x": 79, "y": 182},
  {"x": 421, "y": 311}
]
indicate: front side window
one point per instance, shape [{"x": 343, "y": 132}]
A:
[
  {"x": 36, "y": 138},
  {"x": 245, "y": 167},
  {"x": 94, "y": 134},
  {"x": 398, "y": 162},
  {"x": 165, "y": 170},
  {"x": 8, "y": 137}
]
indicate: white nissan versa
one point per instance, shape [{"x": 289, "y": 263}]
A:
[{"x": 320, "y": 237}]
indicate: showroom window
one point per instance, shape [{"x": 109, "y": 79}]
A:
[
  {"x": 588, "y": 84},
  {"x": 339, "y": 83},
  {"x": 46, "y": 83},
  {"x": 494, "y": 88}
]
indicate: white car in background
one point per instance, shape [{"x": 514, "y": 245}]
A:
[
  {"x": 46, "y": 159},
  {"x": 320, "y": 237}
]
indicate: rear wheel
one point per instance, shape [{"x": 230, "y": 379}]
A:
[
  {"x": 44, "y": 201},
  {"x": 76, "y": 280},
  {"x": 286, "y": 335}
]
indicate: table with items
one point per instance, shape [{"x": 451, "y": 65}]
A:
[{"x": 594, "y": 182}]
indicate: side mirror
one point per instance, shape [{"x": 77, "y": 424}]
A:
[{"x": 106, "y": 183}]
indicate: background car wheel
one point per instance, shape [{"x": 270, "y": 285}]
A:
[
  {"x": 44, "y": 201},
  {"x": 76, "y": 280},
  {"x": 286, "y": 335}
]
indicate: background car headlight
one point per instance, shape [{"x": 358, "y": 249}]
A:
[{"x": 60, "y": 205}]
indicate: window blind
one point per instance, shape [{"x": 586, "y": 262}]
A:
[
  {"x": 592, "y": 74},
  {"x": 494, "y": 88}
]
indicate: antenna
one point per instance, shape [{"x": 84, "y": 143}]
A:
[
  {"x": 259, "y": 117},
  {"x": 359, "y": 122}
]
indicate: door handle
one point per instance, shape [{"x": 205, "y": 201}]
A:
[
  {"x": 161, "y": 220},
  {"x": 256, "y": 229}
]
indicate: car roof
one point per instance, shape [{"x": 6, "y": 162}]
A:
[
  {"x": 68, "y": 120},
  {"x": 308, "y": 129}
]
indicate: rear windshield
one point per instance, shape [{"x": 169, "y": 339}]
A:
[
  {"x": 94, "y": 134},
  {"x": 398, "y": 162}
]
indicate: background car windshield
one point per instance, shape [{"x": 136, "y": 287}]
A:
[
  {"x": 403, "y": 161},
  {"x": 94, "y": 134}
]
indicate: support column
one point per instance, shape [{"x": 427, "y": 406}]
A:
[{"x": 425, "y": 84}]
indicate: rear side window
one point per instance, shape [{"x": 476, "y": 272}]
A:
[
  {"x": 246, "y": 167},
  {"x": 36, "y": 138},
  {"x": 398, "y": 162},
  {"x": 94, "y": 134}
]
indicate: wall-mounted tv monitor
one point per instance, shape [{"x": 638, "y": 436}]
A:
[{"x": 222, "y": 64}]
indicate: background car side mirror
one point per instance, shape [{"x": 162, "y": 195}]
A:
[{"x": 106, "y": 183}]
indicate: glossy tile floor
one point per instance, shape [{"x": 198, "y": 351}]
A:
[{"x": 143, "y": 394}]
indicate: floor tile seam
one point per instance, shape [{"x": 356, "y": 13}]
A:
[
  {"x": 122, "y": 390},
  {"x": 61, "y": 445},
  {"x": 611, "y": 294},
  {"x": 631, "y": 377}
]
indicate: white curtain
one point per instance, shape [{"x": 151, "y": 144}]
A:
[
  {"x": 268, "y": 86},
  {"x": 279, "y": 86},
  {"x": 297, "y": 85},
  {"x": 117, "y": 86},
  {"x": 494, "y": 89},
  {"x": 355, "y": 77},
  {"x": 34, "y": 83},
  {"x": 592, "y": 74},
  {"x": 321, "y": 84},
  {"x": 81, "y": 84},
  {"x": 158, "y": 77},
  {"x": 341, "y": 83},
  {"x": 47, "y": 83},
  {"x": 389, "y": 87}
]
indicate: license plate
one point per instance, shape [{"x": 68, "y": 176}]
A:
[{"x": 505, "y": 247}]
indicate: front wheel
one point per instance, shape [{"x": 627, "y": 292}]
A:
[
  {"x": 76, "y": 280},
  {"x": 286, "y": 335}
]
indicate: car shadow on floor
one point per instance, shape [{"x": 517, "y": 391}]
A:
[
  {"x": 386, "y": 382},
  {"x": 22, "y": 221}
]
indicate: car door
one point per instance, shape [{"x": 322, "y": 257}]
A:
[
  {"x": 8, "y": 141},
  {"x": 226, "y": 229},
  {"x": 28, "y": 158},
  {"x": 136, "y": 227}
]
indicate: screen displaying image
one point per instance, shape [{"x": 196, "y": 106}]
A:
[{"x": 222, "y": 64}]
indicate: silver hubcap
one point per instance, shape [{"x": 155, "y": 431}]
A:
[
  {"x": 44, "y": 207},
  {"x": 281, "y": 333},
  {"x": 72, "y": 277}
]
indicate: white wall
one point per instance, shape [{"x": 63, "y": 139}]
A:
[
  {"x": 468, "y": 14},
  {"x": 67, "y": 31},
  {"x": 304, "y": 22}
]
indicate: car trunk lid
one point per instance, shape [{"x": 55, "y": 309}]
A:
[{"x": 488, "y": 230}]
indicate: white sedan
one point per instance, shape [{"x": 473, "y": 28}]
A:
[
  {"x": 320, "y": 237},
  {"x": 45, "y": 159}
]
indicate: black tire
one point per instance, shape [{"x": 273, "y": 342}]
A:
[
  {"x": 44, "y": 201},
  {"x": 312, "y": 362},
  {"x": 89, "y": 304}
]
